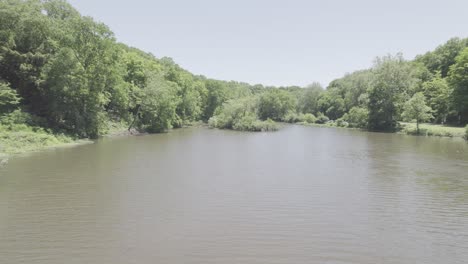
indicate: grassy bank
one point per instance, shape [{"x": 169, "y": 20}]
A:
[
  {"x": 432, "y": 130},
  {"x": 22, "y": 138},
  {"x": 410, "y": 129}
]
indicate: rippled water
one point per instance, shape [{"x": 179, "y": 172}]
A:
[{"x": 300, "y": 195}]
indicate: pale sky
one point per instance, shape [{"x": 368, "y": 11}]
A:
[{"x": 287, "y": 42}]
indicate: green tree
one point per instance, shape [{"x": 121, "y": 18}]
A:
[
  {"x": 309, "y": 101},
  {"x": 158, "y": 105},
  {"x": 416, "y": 109},
  {"x": 216, "y": 95},
  {"x": 437, "y": 93},
  {"x": 351, "y": 88},
  {"x": 9, "y": 99},
  {"x": 357, "y": 117},
  {"x": 443, "y": 56},
  {"x": 275, "y": 104},
  {"x": 392, "y": 78},
  {"x": 458, "y": 80},
  {"x": 233, "y": 111},
  {"x": 332, "y": 103}
]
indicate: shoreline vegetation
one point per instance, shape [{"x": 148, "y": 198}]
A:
[
  {"x": 27, "y": 140},
  {"x": 65, "y": 79}
]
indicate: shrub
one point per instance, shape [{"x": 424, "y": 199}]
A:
[
  {"x": 309, "y": 118},
  {"x": 341, "y": 123},
  {"x": 246, "y": 123},
  {"x": 23, "y": 138},
  {"x": 292, "y": 117},
  {"x": 240, "y": 115},
  {"x": 251, "y": 123},
  {"x": 357, "y": 117},
  {"x": 268, "y": 125},
  {"x": 213, "y": 122},
  {"x": 321, "y": 118}
]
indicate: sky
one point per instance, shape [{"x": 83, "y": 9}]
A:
[{"x": 287, "y": 42}]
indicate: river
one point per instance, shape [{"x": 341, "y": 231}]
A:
[{"x": 197, "y": 195}]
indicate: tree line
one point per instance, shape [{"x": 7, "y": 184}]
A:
[{"x": 66, "y": 72}]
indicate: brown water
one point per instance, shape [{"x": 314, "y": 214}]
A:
[{"x": 300, "y": 195}]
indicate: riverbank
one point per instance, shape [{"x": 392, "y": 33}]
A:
[
  {"x": 20, "y": 139},
  {"x": 410, "y": 129},
  {"x": 432, "y": 130},
  {"x": 24, "y": 139}
]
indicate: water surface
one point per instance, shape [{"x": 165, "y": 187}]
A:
[{"x": 300, "y": 195}]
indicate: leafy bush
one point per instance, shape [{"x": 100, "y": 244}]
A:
[
  {"x": 275, "y": 104},
  {"x": 309, "y": 118},
  {"x": 341, "y": 123},
  {"x": 9, "y": 98},
  {"x": 20, "y": 138},
  {"x": 268, "y": 125},
  {"x": 292, "y": 117},
  {"x": 240, "y": 115},
  {"x": 16, "y": 117},
  {"x": 321, "y": 118},
  {"x": 357, "y": 117},
  {"x": 251, "y": 123}
]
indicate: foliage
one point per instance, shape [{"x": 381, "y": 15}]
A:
[
  {"x": 9, "y": 99},
  {"x": 309, "y": 99},
  {"x": 23, "y": 138},
  {"x": 432, "y": 130},
  {"x": 15, "y": 118},
  {"x": 158, "y": 105},
  {"x": 293, "y": 117},
  {"x": 357, "y": 117},
  {"x": 275, "y": 104},
  {"x": 332, "y": 104},
  {"x": 216, "y": 96},
  {"x": 18, "y": 134},
  {"x": 233, "y": 111},
  {"x": 321, "y": 118},
  {"x": 443, "y": 57},
  {"x": 251, "y": 123},
  {"x": 392, "y": 78},
  {"x": 437, "y": 93},
  {"x": 416, "y": 109},
  {"x": 349, "y": 91},
  {"x": 342, "y": 123},
  {"x": 458, "y": 79},
  {"x": 240, "y": 114}
]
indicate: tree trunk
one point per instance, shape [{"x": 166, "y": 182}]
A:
[{"x": 417, "y": 127}]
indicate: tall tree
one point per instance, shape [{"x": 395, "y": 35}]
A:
[
  {"x": 438, "y": 92},
  {"x": 458, "y": 79},
  {"x": 275, "y": 104},
  {"x": 392, "y": 78},
  {"x": 309, "y": 101}
]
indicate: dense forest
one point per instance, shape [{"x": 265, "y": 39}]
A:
[{"x": 62, "y": 73}]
